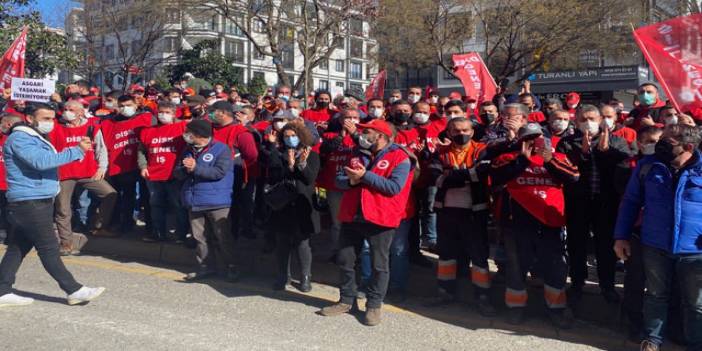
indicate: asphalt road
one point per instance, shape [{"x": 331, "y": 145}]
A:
[{"x": 148, "y": 308}]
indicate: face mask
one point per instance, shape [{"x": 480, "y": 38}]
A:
[
  {"x": 671, "y": 120},
  {"x": 284, "y": 97},
  {"x": 664, "y": 151},
  {"x": 420, "y": 118},
  {"x": 460, "y": 139},
  {"x": 322, "y": 104},
  {"x": 110, "y": 105},
  {"x": 393, "y": 99},
  {"x": 188, "y": 138},
  {"x": 69, "y": 115},
  {"x": 165, "y": 118},
  {"x": 472, "y": 106},
  {"x": 589, "y": 126},
  {"x": 376, "y": 112},
  {"x": 199, "y": 148},
  {"x": 364, "y": 143},
  {"x": 488, "y": 117},
  {"x": 295, "y": 112},
  {"x": 454, "y": 115},
  {"x": 648, "y": 149},
  {"x": 45, "y": 127},
  {"x": 175, "y": 101},
  {"x": 434, "y": 100},
  {"x": 609, "y": 122},
  {"x": 279, "y": 125},
  {"x": 218, "y": 90},
  {"x": 647, "y": 99},
  {"x": 413, "y": 99},
  {"x": 291, "y": 141},
  {"x": 20, "y": 109},
  {"x": 559, "y": 125},
  {"x": 127, "y": 111},
  {"x": 401, "y": 117}
]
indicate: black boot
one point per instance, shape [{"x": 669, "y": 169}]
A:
[
  {"x": 305, "y": 284},
  {"x": 280, "y": 283}
]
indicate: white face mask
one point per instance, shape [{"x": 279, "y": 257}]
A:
[
  {"x": 279, "y": 125},
  {"x": 127, "y": 111},
  {"x": 648, "y": 149},
  {"x": 188, "y": 138},
  {"x": 165, "y": 118},
  {"x": 454, "y": 115},
  {"x": 434, "y": 99},
  {"x": 671, "y": 120},
  {"x": 559, "y": 125},
  {"x": 609, "y": 122},
  {"x": 219, "y": 90},
  {"x": 472, "y": 106},
  {"x": 393, "y": 99},
  {"x": 413, "y": 99},
  {"x": 420, "y": 118},
  {"x": 295, "y": 112},
  {"x": 110, "y": 105},
  {"x": 69, "y": 115},
  {"x": 364, "y": 143},
  {"x": 45, "y": 127},
  {"x": 376, "y": 112},
  {"x": 590, "y": 126},
  {"x": 175, "y": 101}
]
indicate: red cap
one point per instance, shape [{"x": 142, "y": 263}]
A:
[
  {"x": 455, "y": 95},
  {"x": 378, "y": 125},
  {"x": 572, "y": 98},
  {"x": 136, "y": 87},
  {"x": 189, "y": 92}
]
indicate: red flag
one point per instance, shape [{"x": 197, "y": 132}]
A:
[
  {"x": 475, "y": 76},
  {"x": 376, "y": 88},
  {"x": 12, "y": 63},
  {"x": 672, "y": 49}
]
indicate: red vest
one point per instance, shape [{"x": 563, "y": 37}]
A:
[
  {"x": 121, "y": 139},
  {"x": 163, "y": 145},
  {"x": 408, "y": 138},
  {"x": 3, "y": 172},
  {"x": 537, "y": 191},
  {"x": 335, "y": 161},
  {"x": 64, "y": 136},
  {"x": 377, "y": 208}
]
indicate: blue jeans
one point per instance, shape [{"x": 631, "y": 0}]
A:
[
  {"x": 162, "y": 196},
  {"x": 399, "y": 257},
  {"x": 659, "y": 267},
  {"x": 427, "y": 214}
]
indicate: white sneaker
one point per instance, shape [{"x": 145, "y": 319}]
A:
[
  {"x": 9, "y": 300},
  {"x": 84, "y": 295}
]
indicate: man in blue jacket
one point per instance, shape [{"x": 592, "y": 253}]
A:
[
  {"x": 32, "y": 179},
  {"x": 208, "y": 173},
  {"x": 666, "y": 191}
]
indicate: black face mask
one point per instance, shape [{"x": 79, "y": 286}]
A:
[
  {"x": 401, "y": 117},
  {"x": 487, "y": 118},
  {"x": 20, "y": 109},
  {"x": 322, "y": 104},
  {"x": 461, "y": 139},
  {"x": 664, "y": 151}
]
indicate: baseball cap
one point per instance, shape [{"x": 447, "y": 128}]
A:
[
  {"x": 195, "y": 100},
  {"x": 200, "y": 127},
  {"x": 378, "y": 125},
  {"x": 572, "y": 98},
  {"x": 530, "y": 131}
]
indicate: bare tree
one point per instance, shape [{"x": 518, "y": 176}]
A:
[
  {"x": 118, "y": 39},
  {"x": 276, "y": 27}
]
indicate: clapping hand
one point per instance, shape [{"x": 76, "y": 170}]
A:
[
  {"x": 189, "y": 164},
  {"x": 355, "y": 174}
]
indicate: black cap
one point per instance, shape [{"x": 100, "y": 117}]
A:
[
  {"x": 200, "y": 127},
  {"x": 222, "y": 106},
  {"x": 355, "y": 93},
  {"x": 530, "y": 131},
  {"x": 208, "y": 93},
  {"x": 195, "y": 100}
]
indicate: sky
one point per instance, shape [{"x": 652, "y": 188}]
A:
[{"x": 54, "y": 11}]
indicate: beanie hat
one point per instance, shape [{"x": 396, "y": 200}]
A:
[{"x": 200, "y": 127}]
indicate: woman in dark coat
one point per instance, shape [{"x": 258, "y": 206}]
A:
[{"x": 289, "y": 159}]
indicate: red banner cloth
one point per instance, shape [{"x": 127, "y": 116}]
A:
[
  {"x": 376, "y": 88},
  {"x": 475, "y": 76},
  {"x": 673, "y": 49},
  {"x": 12, "y": 63}
]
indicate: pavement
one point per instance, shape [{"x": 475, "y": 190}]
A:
[{"x": 148, "y": 307}]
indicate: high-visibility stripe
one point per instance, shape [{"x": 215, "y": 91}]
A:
[
  {"x": 515, "y": 298},
  {"x": 446, "y": 270},
  {"x": 555, "y": 298},
  {"x": 480, "y": 277}
]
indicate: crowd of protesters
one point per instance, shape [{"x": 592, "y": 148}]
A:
[{"x": 556, "y": 180}]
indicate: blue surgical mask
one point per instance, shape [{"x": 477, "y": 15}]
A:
[
  {"x": 647, "y": 98},
  {"x": 291, "y": 141}
]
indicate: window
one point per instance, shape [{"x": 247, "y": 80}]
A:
[
  {"x": 256, "y": 54},
  {"x": 172, "y": 15},
  {"x": 203, "y": 22},
  {"x": 324, "y": 85},
  {"x": 258, "y": 26},
  {"x": 136, "y": 47},
  {"x": 110, "y": 52},
  {"x": 324, "y": 64},
  {"x": 259, "y": 75},
  {"x": 356, "y": 27},
  {"x": 356, "y": 86},
  {"x": 288, "y": 57},
  {"x": 356, "y": 69},
  {"x": 340, "y": 65},
  {"x": 338, "y": 42},
  {"x": 234, "y": 49},
  {"x": 171, "y": 44},
  {"x": 356, "y": 48},
  {"x": 232, "y": 28},
  {"x": 340, "y": 85}
]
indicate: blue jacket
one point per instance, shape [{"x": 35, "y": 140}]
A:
[
  {"x": 210, "y": 185},
  {"x": 671, "y": 207},
  {"x": 32, "y": 163}
]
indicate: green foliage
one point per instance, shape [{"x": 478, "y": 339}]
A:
[
  {"x": 46, "y": 52},
  {"x": 257, "y": 86},
  {"x": 205, "y": 62}
]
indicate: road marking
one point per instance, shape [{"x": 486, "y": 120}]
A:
[{"x": 176, "y": 276}]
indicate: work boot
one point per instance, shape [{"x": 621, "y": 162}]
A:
[
  {"x": 516, "y": 315},
  {"x": 649, "y": 346},
  {"x": 232, "y": 274},
  {"x": 561, "y": 318},
  {"x": 336, "y": 309},
  {"x": 373, "y": 316},
  {"x": 12, "y": 300},
  {"x": 305, "y": 284},
  {"x": 485, "y": 307},
  {"x": 84, "y": 295}
]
